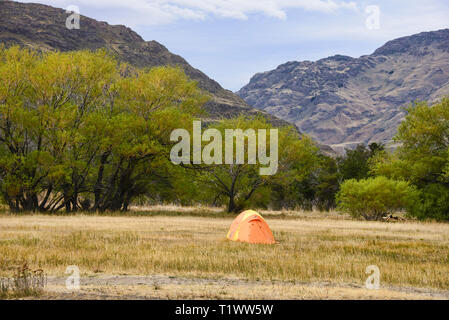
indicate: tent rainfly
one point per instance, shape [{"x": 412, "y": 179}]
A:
[{"x": 249, "y": 226}]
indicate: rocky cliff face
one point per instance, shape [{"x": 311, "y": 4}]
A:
[
  {"x": 342, "y": 101},
  {"x": 44, "y": 28}
]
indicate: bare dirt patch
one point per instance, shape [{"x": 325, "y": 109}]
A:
[{"x": 170, "y": 287}]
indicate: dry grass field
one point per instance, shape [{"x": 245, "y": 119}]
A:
[{"x": 155, "y": 254}]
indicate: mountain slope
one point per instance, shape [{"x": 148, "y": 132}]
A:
[
  {"x": 43, "y": 28},
  {"x": 342, "y": 101}
]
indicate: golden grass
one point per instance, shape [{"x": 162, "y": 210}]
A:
[
  {"x": 176, "y": 208},
  {"x": 200, "y": 210},
  {"x": 409, "y": 254}
]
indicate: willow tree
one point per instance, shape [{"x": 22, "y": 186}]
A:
[
  {"x": 81, "y": 130},
  {"x": 144, "y": 110},
  {"x": 242, "y": 157}
]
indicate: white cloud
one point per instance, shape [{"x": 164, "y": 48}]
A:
[{"x": 165, "y": 11}]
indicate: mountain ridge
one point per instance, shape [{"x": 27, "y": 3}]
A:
[{"x": 342, "y": 101}]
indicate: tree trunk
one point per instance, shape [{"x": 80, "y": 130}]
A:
[
  {"x": 231, "y": 204},
  {"x": 99, "y": 183}
]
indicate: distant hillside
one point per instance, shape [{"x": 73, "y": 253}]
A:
[{"x": 342, "y": 101}]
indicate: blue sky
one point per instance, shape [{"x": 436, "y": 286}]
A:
[{"x": 231, "y": 40}]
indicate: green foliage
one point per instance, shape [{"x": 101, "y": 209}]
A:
[
  {"x": 319, "y": 188},
  {"x": 241, "y": 185},
  {"x": 80, "y": 130},
  {"x": 424, "y": 136},
  {"x": 422, "y": 158},
  {"x": 328, "y": 184},
  {"x": 374, "y": 198},
  {"x": 355, "y": 164},
  {"x": 316, "y": 189},
  {"x": 433, "y": 204}
]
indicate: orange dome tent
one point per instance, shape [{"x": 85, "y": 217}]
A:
[{"x": 249, "y": 226}]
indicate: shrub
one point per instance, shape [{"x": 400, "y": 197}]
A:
[
  {"x": 374, "y": 198},
  {"x": 433, "y": 204}
]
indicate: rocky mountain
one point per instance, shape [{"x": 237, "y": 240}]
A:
[
  {"x": 44, "y": 28},
  {"x": 342, "y": 101}
]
